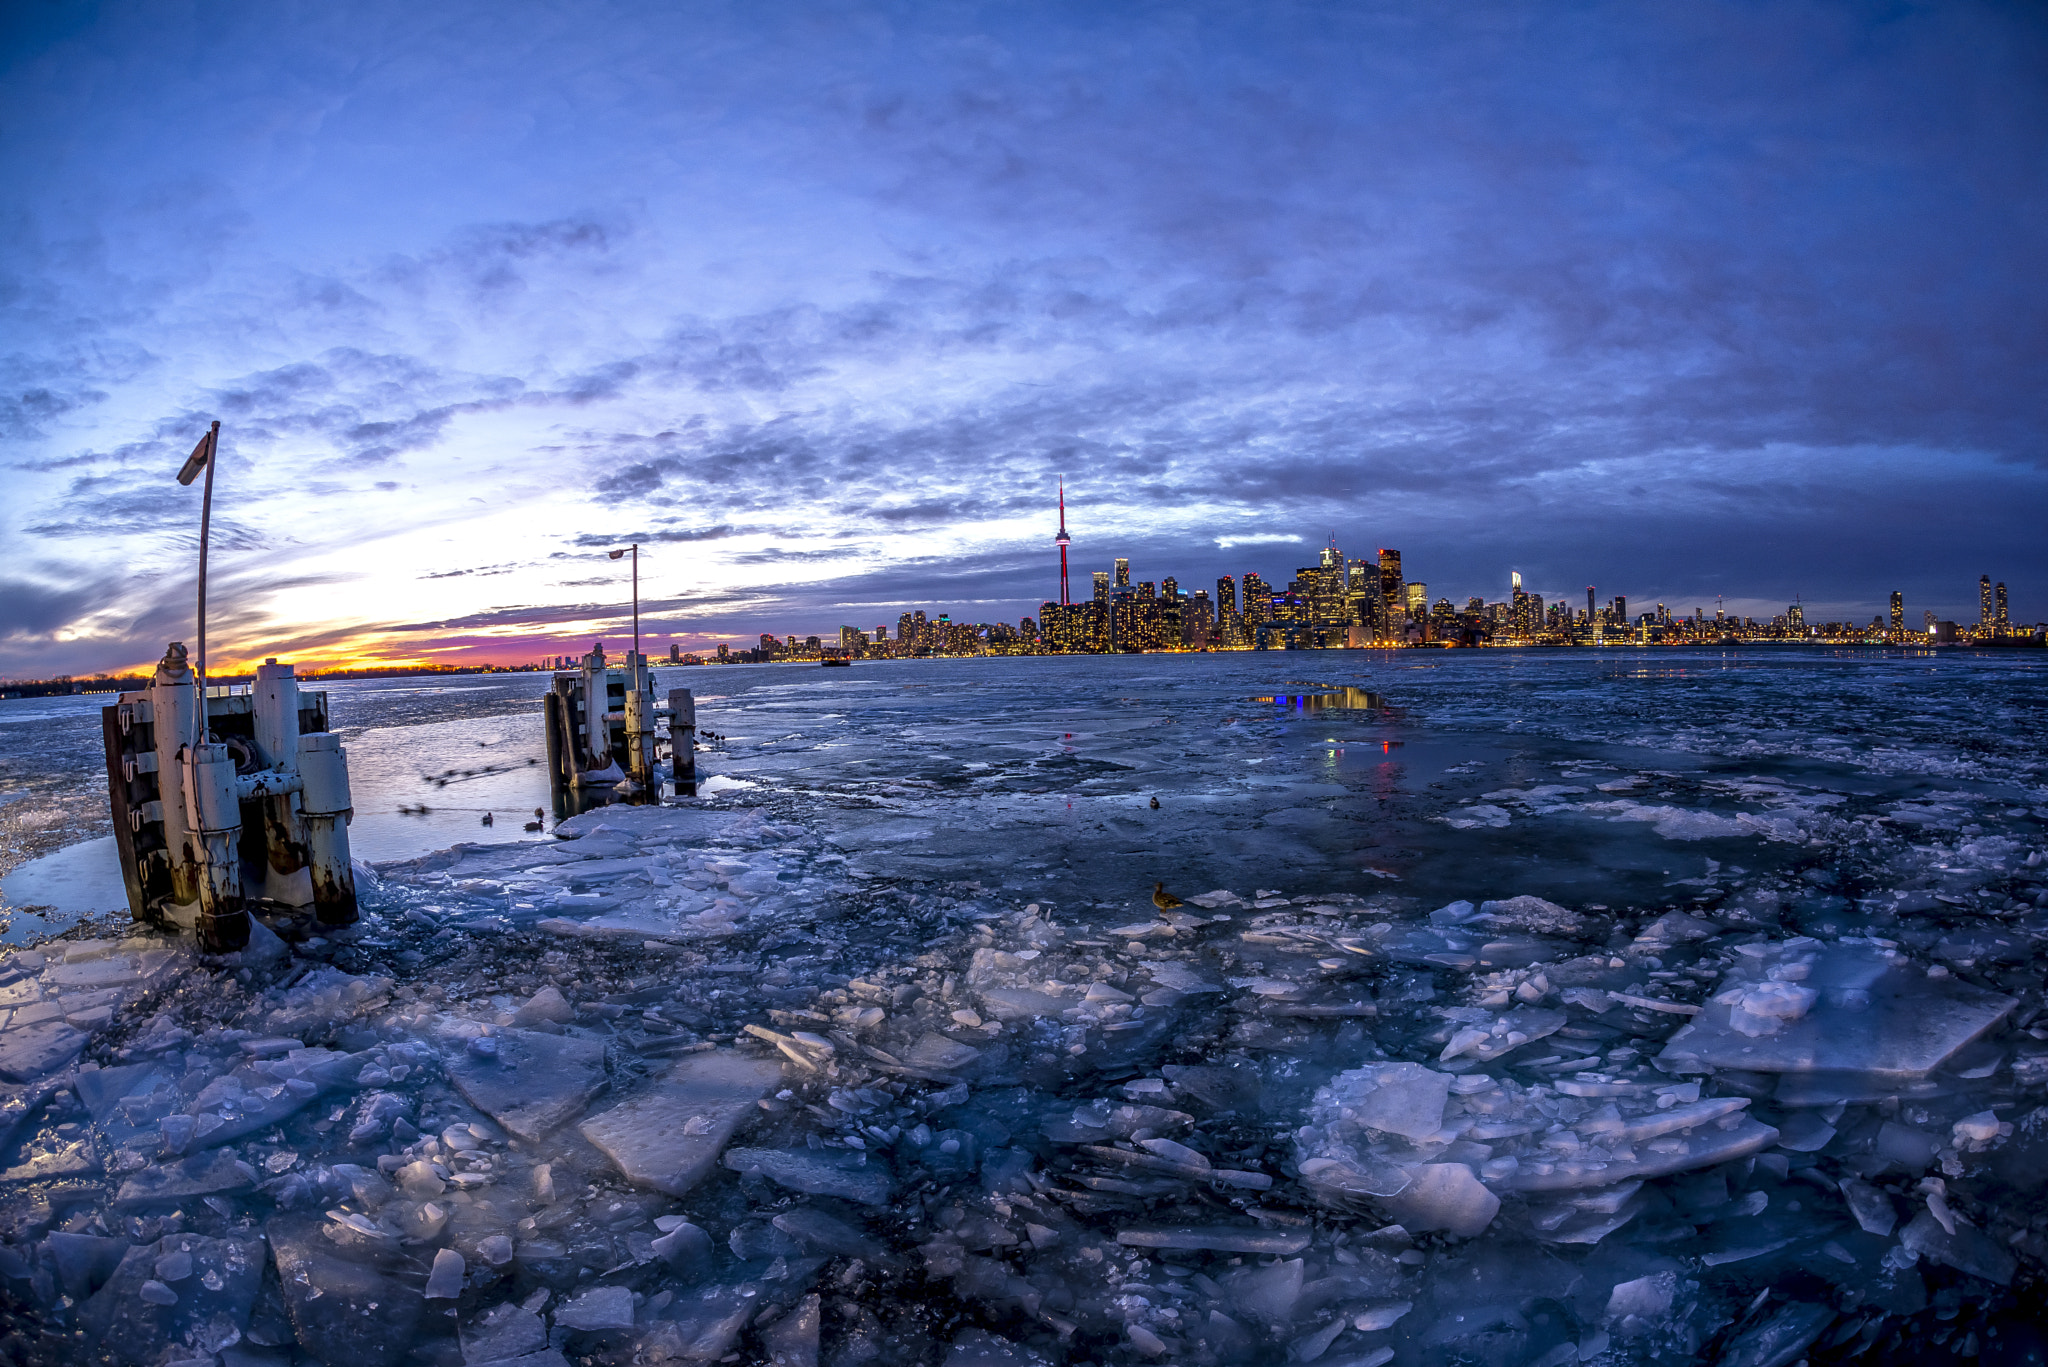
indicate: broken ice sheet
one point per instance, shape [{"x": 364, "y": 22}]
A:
[
  {"x": 1798, "y": 1007},
  {"x": 669, "y": 1136},
  {"x": 530, "y": 1083}
]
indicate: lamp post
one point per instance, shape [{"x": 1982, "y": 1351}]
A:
[
  {"x": 203, "y": 458},
  {"x": 635, "y": 549}
]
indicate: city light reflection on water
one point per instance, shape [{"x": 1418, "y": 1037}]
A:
[{"x": 1342, "y": 697}]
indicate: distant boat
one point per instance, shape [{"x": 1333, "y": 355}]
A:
[{"x": 837, "y": 664}]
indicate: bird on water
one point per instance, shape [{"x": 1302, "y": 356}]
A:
[{"x": 1163, "y": 899}]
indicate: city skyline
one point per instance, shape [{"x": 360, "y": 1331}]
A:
[
  {"x": 1990, "y": 601},
  {"x": 819, "y": 306}
]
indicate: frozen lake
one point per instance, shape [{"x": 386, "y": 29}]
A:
[{"x": 1507, "y": 1007}]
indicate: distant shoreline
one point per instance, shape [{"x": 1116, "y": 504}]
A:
[{"x": 61, "y": 687}]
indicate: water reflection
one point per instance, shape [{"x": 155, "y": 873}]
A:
[{"x": 1339, "y": 698}]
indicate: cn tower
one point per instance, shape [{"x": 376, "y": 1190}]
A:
[{"x": 1063, "y": 539}]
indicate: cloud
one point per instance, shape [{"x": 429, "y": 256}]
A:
[{"x": 1713, "y": 299}]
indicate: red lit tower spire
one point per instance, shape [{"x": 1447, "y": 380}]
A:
[{"x": 1063, "y": 539}]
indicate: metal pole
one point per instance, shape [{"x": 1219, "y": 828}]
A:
[
  {"x": 636, "y": 598},
  {"x": 205, "y": 531}
]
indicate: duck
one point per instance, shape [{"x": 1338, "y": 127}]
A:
[
  {"x": 488, "y": 820},
  {"x": 1163, "y": 899},
  {"x": 1155, "y": 804}
]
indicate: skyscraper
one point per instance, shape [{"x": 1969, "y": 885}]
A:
[
  {"x": 1984, "y": 600},
  {"x": 1123, "y": 573},
  {"x": 1390, "y": 592},
  {"x": 1226, "y": 600},
  {"x": 1898, "y": 613},
  {"x": 1998, "y": 608},
  {"x": 1591, "y": 611},
  {"x": 1258, "y": 600}
]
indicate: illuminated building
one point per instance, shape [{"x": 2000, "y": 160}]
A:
[
  {"x": 1226, "y": 599},
  {"x": 1258, "y": 601},
  {"x": 1984, "y": 618},
  {"x": 1123, "y": 573},
  {"x": 1998, "y": 608},
  {"x": 1362, "y": 599},
  {"x": 1898, "y": 614},
  {"x": 1392, "y": 608}
]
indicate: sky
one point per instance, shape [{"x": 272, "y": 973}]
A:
[{"x": 819, "y": 302}]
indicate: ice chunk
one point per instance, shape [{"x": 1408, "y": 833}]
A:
[
  {"x": 686, "y": 1248},
  {"x": 792, "y": 1341},
  {"x": 444, "y": 1283},
  {"x": 1532, "y": 914},
  {"x": 1217, "y": 1238},
  {"x": 135, "y": 1314},
  {"x": 1866, "y": 1016},
  {"x": 546, "y": 1005},
  {"x": 83, "y": 1262},
  {"x": 534, "y": 1084},
  {"x": 1509, "y": 1032},
  {"x": 1965, "y": 1249},
  {"x": 204, "y": 1174},
  {"x": 1805, "y": 1132},
  {"x": 1645, "y": 1298},
  {"x": 1779, "y": 1340},
  {"x": 1872, "y": 1208},
  {"x": 1767, "y": 1007},
  {"x": 501, "y": 1334},
  {"x": 826, "y": 1234},
  {"x": 1974, "y": 1131},
  {"x": 604, "y": 1307},
  {"x": 29, "y": 1051},
  {"x": 707, "y": 1324},
  {"x": 1911, "y": 1148},
  {"x": 343, "y": 1311},
  {"x": 1701, "y": 1147},
  {"x": 1398, "y": 1098},
  {"x": 101, "y": 1088},
  {"x": 1270, "y": 1293},
  {"x": 1443, "y": 1196},
  {"x": 935, "y": 1053},
  {"x": 1022, "y": 1003},
  {"x": 669, "y": 1136},
  {"x": 818, "y": 1172}
]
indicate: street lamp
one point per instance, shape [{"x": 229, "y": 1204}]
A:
[
  {"x": 203, "y": 457},
  {"x": 635, "y": 549}
]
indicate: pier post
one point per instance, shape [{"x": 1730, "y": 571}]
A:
[{"x": 682, "y": 736}]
